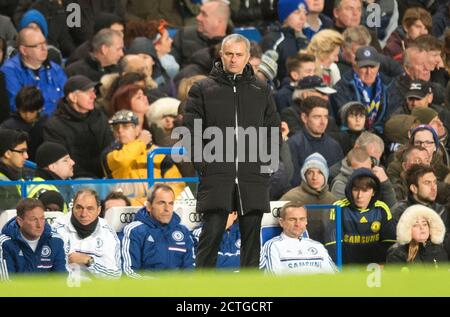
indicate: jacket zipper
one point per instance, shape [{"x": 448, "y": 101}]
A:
[{"x": 237, "y": 146}]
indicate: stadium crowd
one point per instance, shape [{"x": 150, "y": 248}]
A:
[{"x": 361, "y": 97}]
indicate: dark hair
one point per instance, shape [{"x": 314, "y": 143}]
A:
[
  {"x": 408, "y": 150},
  {"x": 111, "y": 196},
  {"x": 29, "y": 99},
  {"x": 89, "y": 191},
  {"x": 415, "y": 172},
  {"x": 295, "y": 61},
  {"x": 416, "y": 13},
  {"x": 157, "y": 187},
  {"x": 255, "y": 50},
  {"x": 28, "y": 204},
  {"x": 428, "y": 43},
  {"x": 364, "y": 182},
  {"x": 313, "y": 102},
  {"x": 288, "y": 205},
  {"x": 124, "y": 80}
]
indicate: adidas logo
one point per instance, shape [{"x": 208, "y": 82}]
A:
[
  {"x": 150, "y": 239},
  {"x": 20, "y": 253},
  {"x": 363, "y": 220}
]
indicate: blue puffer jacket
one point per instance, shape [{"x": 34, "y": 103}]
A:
[
  {"x": 17, "y": 256},
  {"x": 50, "y": 80},
  {"x": 149, "y": 245},
  {"x": 347, "y": 91}
]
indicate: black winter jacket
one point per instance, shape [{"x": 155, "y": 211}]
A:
[
  {"x": 428, "y": 253},
  {"x": 219, "y": 101}
]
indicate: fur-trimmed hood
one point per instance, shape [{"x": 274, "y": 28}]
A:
[
  {"x": 408, "y": 219},
  {"x": 162, "y": 107}
]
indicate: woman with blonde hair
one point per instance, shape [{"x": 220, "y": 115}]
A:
[
  {"x": 420, "y": 234},
  {"x": 325, "y": 46}
]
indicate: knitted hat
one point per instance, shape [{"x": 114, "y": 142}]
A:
[
  {"x": 34, "y": 16},
  {"x": 286, "y": 7},
  {"x": 397, "y": 127},
  {"x": 345, "y": 109},
  {"x": 48, "y": 153},
  {"x": 268, "y": 65},
  {"x": 315, "y": 160},
  {"x": 425, "y": 115},
  {"x": 9, "y": 139},
  {"x": 52, "y": 197},
  {"x": 422, "y": 127}
]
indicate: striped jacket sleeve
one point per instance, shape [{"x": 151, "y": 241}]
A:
[
  {"x": 270, "y": 258},
  {"x": 6, "y": 260},
  {"x": 131, "y": 250}
]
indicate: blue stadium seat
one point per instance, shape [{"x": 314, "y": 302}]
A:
[{"x": 251, "y": 33}]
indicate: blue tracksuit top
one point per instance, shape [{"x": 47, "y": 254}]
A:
[
  {"x": 149, "y": 245},
  {"x": 16, "y": 256}
]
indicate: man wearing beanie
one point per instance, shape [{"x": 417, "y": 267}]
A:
[
  {"x": 288, "y": 38},
  {"x": 54, "y": 163},
  {"x": 13, "y": 153},
  {"x": 313, "y": 190}
]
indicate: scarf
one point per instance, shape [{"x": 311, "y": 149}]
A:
[
  {"x": 83, "y": 231},
  {"x": 372, "y": 106}
]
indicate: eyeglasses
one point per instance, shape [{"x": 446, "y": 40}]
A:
[
  {"x": 38, "y": 45},
  {"x": 423, "y": 143},
  {"x": 23, "y": 151}
]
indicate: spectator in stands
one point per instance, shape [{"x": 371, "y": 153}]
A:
[
  {"x": 52, "y": 200},
  {"x": 162, "y": 115},
  {"x": 27, "y": 244},
  {"x": 107, "y": 50},
  {"x": 312, "y": 138},
  {"x": 82, "y": 129},
  {"x": 313, "y": 190},
  {"x": 415, "y": 22},
  {"x": 8, "y": 31},
  {"x": 419, "y": 95},
  {"x": 228, "y": 256},
  {"x": 309, "y": 86},
  {"x": 53, "y": 163},
  {"x": 13, "y": 153},
  {"x": 368, "y": 227},
  {"x": 30, "y": 67},
  {"x": 410, "y": 156},
  {"x": 367, "y": 85},
  {"x": 127, "y": 157},
  {"x": 290, "y": 253},
  {"x": 114, "y": 199},
  {"x": 420, "y": 234},
  {"x": 28, "y": 118},
  {"x": 156, "y": 240},
  {"x": 359, "y": 36},
  {"x": 212, "y": 27},
  {"x": 325, "y": 46},
  {"x": 298, "y": 67},
  {"x": 288, "y": 38},
  {"x": 163, "y": 46},
  {"x": 353, "y": 116},
  {"x": 315, "y": 19},
  {"x": 416, "y": 68},
  {"x": 387, "y": 20},
  {"x": 91, "y": 245}
]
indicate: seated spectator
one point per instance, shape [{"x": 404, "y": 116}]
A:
[
  {"x": 315, "y": 19},
  {"x": 325, "y": 46},
  {"x": 82, "y": 129},
  {"x": 419, "y": 95},
  {"x": 288, "y": 38},
  {"x": 312, "y": 138},
  {"x": 396, "y": 132},
  {"x": 127, "y": 157},
  {"x": 30, "y": 67},
  {"x": 91, "y": 245},
  {"x": 297, "y": 67},
  {"x": 367, "y": 85},
  {"x": 52, "y": 200},
  {"x": 27, "y": 243},
  {"x": 420, "y": 234},
  {"x": 290, "y": 253},
  {"x": 28, "y": 118},
  {"x": 353, "y": 117},
  {"x": 313, "y": 190},
  {"x": 228, "y": 256},
  {"x": 416, "y": 22},
  {"x": 107, "y": 50},
  {"x": 13, "y": 153},
  {"x": 368, "y": 228},
  {"x": 114, "y": 199},
  {"x": 53, "y": 163},
  {"x": 156, "y": 240},
  {"x": 162, "y": 114},
  {"x": 307, "y": 87}
]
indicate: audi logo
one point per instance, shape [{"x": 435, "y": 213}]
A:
[
  {"x": 195, "y": 217},
  {"x": 276, "y": 212},
  {"x": 50, "y": 220},
  {"x": 127, "y": 217}
]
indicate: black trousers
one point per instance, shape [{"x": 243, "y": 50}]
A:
[{"x": 211, "y": 236}]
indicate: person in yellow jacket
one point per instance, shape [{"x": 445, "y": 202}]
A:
[{"x": 127, "y": 158}]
